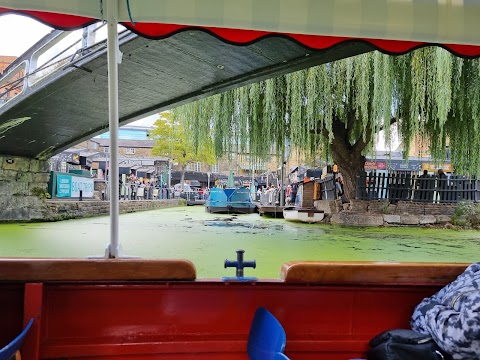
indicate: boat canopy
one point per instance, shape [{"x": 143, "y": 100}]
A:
[{"x": 391, "y": 26}]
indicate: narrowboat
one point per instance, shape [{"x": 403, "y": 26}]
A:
[
  {"x": 305, "y": 215},
  {"x": 230, "y": 201},
  {"x": 124, "y": 308}
]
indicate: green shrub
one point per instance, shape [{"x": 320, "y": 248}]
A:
[
  {"x": 466, "y": 214},
  {"x": 40, "y": 193}
]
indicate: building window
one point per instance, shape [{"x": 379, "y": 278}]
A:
[
  {"x": 196, "y": 166},
  {"x": 130, "y": 151},
  {"x": 215, "y": 168},
  {"x": 94, "y": 145},
  {"x": 106, "y": 150}
]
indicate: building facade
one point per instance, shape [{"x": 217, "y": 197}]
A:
[{"x": 14, "y": 85}]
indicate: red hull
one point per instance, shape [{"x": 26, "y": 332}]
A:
[{"x": 329, "y": 311}]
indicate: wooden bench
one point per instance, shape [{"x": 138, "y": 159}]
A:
[
  {"x": 367, "y": 272},
  {"x": 44, "y": 270}
]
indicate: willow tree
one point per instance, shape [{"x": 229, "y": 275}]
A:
[
  {"x": 174, "y": 141},
  {"x": 334, "y": 110}
]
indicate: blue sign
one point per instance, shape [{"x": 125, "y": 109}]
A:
[{"x": 64, "y": 186}]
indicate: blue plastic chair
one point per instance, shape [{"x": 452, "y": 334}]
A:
[
  {"x": 9, "y": 351},
  {"x": 267, "y": 338}
]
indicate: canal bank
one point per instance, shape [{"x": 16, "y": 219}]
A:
[
  {"x": 355, "y": 213},
  {"x": 57, "y": 210}
]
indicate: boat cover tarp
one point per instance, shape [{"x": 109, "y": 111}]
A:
[
  {"x": 240, "y": 198},
  {"x": 228, "y": 192},
  {"x": 217, "y": 198}
]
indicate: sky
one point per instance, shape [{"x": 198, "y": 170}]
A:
[{"x": 23, "y": 33}]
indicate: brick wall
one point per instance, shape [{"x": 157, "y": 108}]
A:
[{"x": 5, "y": 61}]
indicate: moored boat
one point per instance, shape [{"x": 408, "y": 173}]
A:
[
  {"x": 305, "y": 215},
  {"x": 230, "y": 201}
]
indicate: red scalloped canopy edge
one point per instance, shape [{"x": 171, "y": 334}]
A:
[{"x": 244, "y": 37}]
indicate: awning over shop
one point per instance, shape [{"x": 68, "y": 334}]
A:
[
  {"x": 102, "y": 165},
  {"x": 195, "y": 183},
  {"x": 143, "y": 171},
  {"x": 191, "y": 175}
]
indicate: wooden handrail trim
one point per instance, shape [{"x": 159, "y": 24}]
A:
[
  {"x": 370, "y": 272},
  {"x": 26, "y": 270}
]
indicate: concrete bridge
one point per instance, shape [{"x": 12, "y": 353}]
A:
[
  {"x": 62, "y": 89},
  {"x": 65, "y": 102}
]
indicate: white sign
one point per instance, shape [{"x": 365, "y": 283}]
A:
[{"x": 84, "y": 184}]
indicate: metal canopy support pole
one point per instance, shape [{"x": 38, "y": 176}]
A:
[
  {"x": 253, "y": 191},
  {"x": 113, "y": 249},
  {"x": 282, "y": 175}
]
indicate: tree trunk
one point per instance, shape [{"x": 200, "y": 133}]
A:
[
  {"x": 348, "y": 156},
  {"x": 349, "y": 168}
]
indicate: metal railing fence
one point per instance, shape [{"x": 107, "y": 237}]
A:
[{"x": 405, "y": 186}]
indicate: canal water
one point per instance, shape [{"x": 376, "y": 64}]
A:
[{"x": 209, "y": 239}]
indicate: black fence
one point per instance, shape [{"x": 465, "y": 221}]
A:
[
  {"x": 405, "y": 186},
  {"x": 328, "y": 188}
]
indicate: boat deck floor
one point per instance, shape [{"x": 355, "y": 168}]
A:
[{"x": 271, "y": 210}]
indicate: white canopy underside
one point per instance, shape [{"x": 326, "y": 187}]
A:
[{"x": 433, "y": 21}]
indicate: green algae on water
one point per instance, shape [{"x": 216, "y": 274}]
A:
[{"x": 208, "y": 239}]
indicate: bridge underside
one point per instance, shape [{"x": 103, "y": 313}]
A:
[{"x": 71, "y": 105}]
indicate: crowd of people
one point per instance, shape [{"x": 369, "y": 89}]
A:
[{"x": 138, "y": 188}]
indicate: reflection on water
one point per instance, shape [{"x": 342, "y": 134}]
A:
[{"x": 209, "y": 239}]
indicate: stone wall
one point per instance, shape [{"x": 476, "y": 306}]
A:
[
  {"x": 382, "y": 213},
  {"x": 23, "y": 195},
  {"x": 23, "y": 185},
  {"x": 402, "y": 207},
  {"x": 69, "y": 209}
]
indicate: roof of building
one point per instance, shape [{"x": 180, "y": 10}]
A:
[{"x": 128, "y": 143}]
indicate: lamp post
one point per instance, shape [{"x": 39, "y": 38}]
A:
[{"x": 169, "y": 173}]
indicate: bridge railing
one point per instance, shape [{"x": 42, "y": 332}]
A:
[
  {"x": 12, "y": 84},
  {"x": 56, "y": 52}
]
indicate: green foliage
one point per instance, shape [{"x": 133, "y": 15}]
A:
[
  {"x": 430, "y": 94},
  {"x": 174, "y": 141},
  {"x": 182, "y": 202},
  {"x": 466, "y": 214},
  {"x": 40, "y": 193}
]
